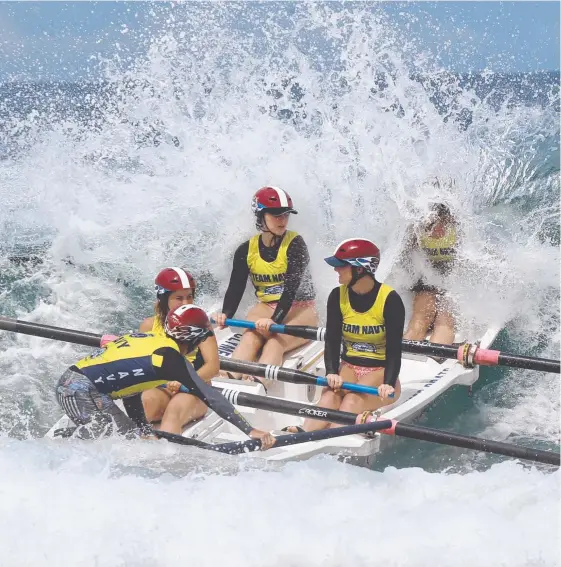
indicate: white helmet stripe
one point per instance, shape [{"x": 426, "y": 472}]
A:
[
  {"x": 182, "y": 308},
  {"x": 182, "y": 277},
  {"x": 283, "y": 199}
]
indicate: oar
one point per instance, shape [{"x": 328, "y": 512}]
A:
[
  {"x": 314, "y": 412},
  {"x": 397, "y": 428},
  {"x": 272, "y": 372},
  {"x": 237, "y": 447},
  {"x": 467, "y": 353},
  {"x": 48, "y": 332}
]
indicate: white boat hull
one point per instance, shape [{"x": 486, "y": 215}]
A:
[{"x": 422, "y": 381}]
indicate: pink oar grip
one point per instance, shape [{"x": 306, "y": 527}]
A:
[
  {"x": 107, "y": 339},
  {"x": 487, "y": 357},
  {"x": 368, "y": 417}
]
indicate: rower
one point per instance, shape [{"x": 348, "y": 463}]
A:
[
  {"x": 136, "y": 362},
  {"x": 176, "y": 287},
  {"x": 365, "y": 317},
  {"x": 437, "y": 239},
  {"x": 277, "y": 261}
]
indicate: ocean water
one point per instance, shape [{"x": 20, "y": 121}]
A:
[{"x": 103, "y": 183}]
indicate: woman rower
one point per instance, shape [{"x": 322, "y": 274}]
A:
[
  {"x": 436, "y": 239},
  {"x": 365, "y": 317},
  {"x": 176, "y": 287},
  {"x": 277, "y": 261}
]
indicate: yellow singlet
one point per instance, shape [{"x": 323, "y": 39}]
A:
[
  {"x": 440, "y": 249},
  {"x": 364, "y": 334},
  {"x": 268, "y": 277}
]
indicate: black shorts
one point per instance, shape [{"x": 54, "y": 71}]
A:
[{"x": 422, "y": 286}]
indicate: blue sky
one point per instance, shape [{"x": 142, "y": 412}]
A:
[{"x": 62, "y": 40}]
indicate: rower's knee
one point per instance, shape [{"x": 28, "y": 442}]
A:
[
  {"x": 330, "y": 399},
  {"x": 352, "y": 402},
  {"x": 272, "y": 349}
]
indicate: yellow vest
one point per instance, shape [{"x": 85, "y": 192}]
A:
[
  {"x": 440, "y": 249},
  {"x": 268, "y": 277},
  {"x": 364, "y": 334},
  {"x": 157, "y": 329},
  {"x": 126, "y": 366}
]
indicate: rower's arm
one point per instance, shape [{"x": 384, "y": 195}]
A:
[
  {"x": 333, "y": 333},
  {"x": 175, "y": 367},
  {"x": 147, "y": 324},
  {"x": 211, "y": 363},
  {"x": 298, "y": 259},
  {"x": 394, "y": 319},
  {"x": 238, "y": 281}
]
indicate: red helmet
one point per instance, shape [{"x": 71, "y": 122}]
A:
[
  {"x": 357, "y": 252},
  {"x": 172, "y": 279},
  {"x": 272, "y": 200},
  {"x": 188, "y": 324}
]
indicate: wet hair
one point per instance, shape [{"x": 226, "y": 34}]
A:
[
  {"x": 439, "y": 213},
  {"x": 443, "y": 211}
]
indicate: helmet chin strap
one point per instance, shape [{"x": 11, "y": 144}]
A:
[
  {"x": 356, "y": 275},
  {"x": 262, "y": 226}
]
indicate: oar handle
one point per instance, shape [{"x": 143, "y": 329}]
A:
[
  {"x": 302, "y": 331},
  {"x": 359, "y": 388}
]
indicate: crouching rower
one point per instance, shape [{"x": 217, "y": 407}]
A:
[
  {"x": 136, "y": 362},
  {"x": 365, "y": 317}
]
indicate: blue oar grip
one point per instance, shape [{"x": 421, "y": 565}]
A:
[
  {"x": 250, "y": 325},
  {"x": 353, "y": 387}
]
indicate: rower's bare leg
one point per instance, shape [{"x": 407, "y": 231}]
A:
[
  {"x": 155, "y": 401},
  {"x": 358, "y": 403},
  {"x": 182, "y": 409},
  {"x": 274, "y": 349},
  {"x": 251, "y": 341},
  {"x": 424, "y": 312},
  {"x": 444, "y": 330}
]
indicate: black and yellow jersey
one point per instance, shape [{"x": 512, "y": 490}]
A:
[
  {"x": 136, "y": 362},
  {"x": 128, "y": 365}
]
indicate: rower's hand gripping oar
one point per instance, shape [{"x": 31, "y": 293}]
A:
[{"x": 468, "y": 354}]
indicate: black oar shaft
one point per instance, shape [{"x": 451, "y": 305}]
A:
[
  {"x": 267, "y": 371},
  {"x": 530, "y": 363},
  {"x": 286, "y": 406},
  {"x": 401, "y": 429},
  {"x": 237, "y": 447},
  {"x": 486, "y": 445},
  {"x": 48, "y": 332}
]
